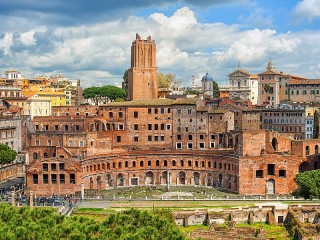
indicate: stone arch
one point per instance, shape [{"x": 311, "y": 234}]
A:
[
  {"x": 274, "y": 144},
  {"x": 99, "y": 182},
  {"x": 109, "y": 180},
  {"x": 91, "y": 183},
  {"x": 196, "y": 178},
  {"x": 164, "y": 177},
  {"x": 120, "y": 180},
  {"x": 271, "y": 186},
  {"x": 182, "y": 178},
  {"x": 209, "y": 179},
  {"x": 304, "y": 166},
  {"x": 149, "y": 178}
]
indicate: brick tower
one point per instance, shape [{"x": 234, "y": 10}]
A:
[{"x": 143, "y": 74}]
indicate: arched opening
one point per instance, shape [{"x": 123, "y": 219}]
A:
[
  {"x": 303, "y": 167},
  {"x": 271, "y": 186},
  {"x": 99, "y": 181},
  {"x": 126, "y": 164},
  {"x": 165, "y": 163},
  {"x": 141, "y": 163},
  {"x": 35, "y": 156},
  {"x": 108, "y": 165},
  {"x": 307, "y": 150},
  {"x": 182, "y": 178},
  {"x": 134, "y": 164},
  {"x": 196, "y": 178},
  {"x": 120, "y": 180},
  {"x": 164, "y": 177},
  {"x": 119, "y": 164},
  {"x": 209, "y": 179},
  {"x": 109, "y": 180},
  {"x": 316, "y": 149},
  {"x": 220, "y": 180},
  {"x": 45, "y": 155},
  {"x": 173, "y": 163},
  {"x": 149, "y": 178},
  {"x": 91, "y": 183},
  {"x": 274, "y": 143},
  {"x": 181, "y": 163}
]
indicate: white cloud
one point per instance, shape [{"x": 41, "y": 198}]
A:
[
  {"x": 307, "y": 9},
  {"x": 100, "y": 53}
]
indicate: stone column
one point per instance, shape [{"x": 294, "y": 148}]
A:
[
  {"x": 31, "y": 199},
  {"x": 82, "y": 190},
  {"x": 13, "y": 195},
  {"x": 168, "y": 180}
]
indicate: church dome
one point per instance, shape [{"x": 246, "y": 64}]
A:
[{"x": 207, "y": 77}]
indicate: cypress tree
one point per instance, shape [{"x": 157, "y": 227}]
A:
[{"x": 316, "y": 124}]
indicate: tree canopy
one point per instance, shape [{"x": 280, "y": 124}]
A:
[
  {"x": 216, "y": 90},
  {"x": 7, "y": 155},
  {"x": 45, "y": 223},
  {"x": 308, "y": 184},
  {"x": 166, "y": 80},
  {"x": 192, "y": 92},
  {"x": 104, "y": 94}
]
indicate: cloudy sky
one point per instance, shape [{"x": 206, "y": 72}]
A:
[{"x": 90, "y": 39}]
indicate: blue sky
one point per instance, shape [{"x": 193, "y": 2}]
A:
[{"x": 90, "y": 40}]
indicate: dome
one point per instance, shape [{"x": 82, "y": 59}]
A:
[{"x": 207, "y": 77}]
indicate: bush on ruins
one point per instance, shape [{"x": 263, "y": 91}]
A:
[
  {"x": 308, "y": 184},
  {"x": 7, "y": 155}
]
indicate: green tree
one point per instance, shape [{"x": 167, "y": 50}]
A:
[
  {"x": 316, "y": 124},
  {"x": 192, "y": 92},
  {"x": 166, "y": 80},
  {"x": 125, "y": 81},
  {"x": 308, "y": 184},
  {"x": 7, "y": 155},
  {"x": 104, "y": 94},
  {"x": 216, "y": 90}
]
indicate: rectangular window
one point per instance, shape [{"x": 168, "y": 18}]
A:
[
  {"x": 162, "y": 126},
  {"x": 156, "y": 111},
  {"x": 37, "y": 127},
  {"x": 118, "y": 138},
  {"x": 271, "y": 168},
  {"x": 53, "y": 167},
  {"x": 162, "y": 138},
  {"x": 66, "y": 127},
  {"x": 46, "y": 127},
  {"x": 120, "y": 114},
  {"x": 45, "y": 167},
  {"x": 49, "y": 142},
  {"x": 201, "y": 136},
  {"x": 178, "y": 145},
  {"x": 190, "y": 145},
  {"x": 81, "y": 144},
  {"x": 56, "y": 127},
  {"x": 259, "y": 174},
  {"x": 149, "y": 110},
  {"x": 62, "y": 178},
  {"x": 156, "y": 138},
  {"x": 45, "y": 178},
  {"x": 149, "y": 138},
  {"x": 169, "y": 110},
  {"x": 61, "y": 166},
  {"x": 156, "y": 127},
  {"x": 135, "y": 114},
  {"x": 211, "y": 144},
  {"x": 189, "y": 110},
  {"x": 135, "y": 126},
  {"x": 282, "y": 173},
  {"x": 179, "y": 110},
  {"x": 37, "y": 142},
  {"x": 120, "y": 127},
  {"x": 201, "y": 145},
  {"x": 190, "y": 137},
  {"x": 72, "y": 178},
  {"x": 179, "y": 137},
  {"x": 77, "y": 127},
  {"x": 162, "y": 110},
  {"x": 136, "y": 138},
  {"x": 149, "y": 126},
  {"x": 70, "y": 143},
  {"x": 168, "y": 126},
  {"x": 35, "y": 178},
  {"x": 110, "y": 114}
]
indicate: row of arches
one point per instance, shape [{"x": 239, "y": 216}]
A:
[
  {"x": 159, "y": 163},
  {"x": 151, "y": 178}
]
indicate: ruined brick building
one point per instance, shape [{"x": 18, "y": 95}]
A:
[{"x": 149, "y": 141}]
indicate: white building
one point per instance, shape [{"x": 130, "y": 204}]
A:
[{"x": 207, "y": 85}]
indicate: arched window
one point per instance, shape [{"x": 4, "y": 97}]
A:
[
  {"x": 45, "y": 155},
  {"x": 113, "y": 165},
  {"x": 35, "y": 156},
  {"x": 307, "y": 150},
  {"x": 108, "y": 165},
  {"x": 181, "y": 163},
  {"x": 141, "y": 163},
  {"x": 119, "y": 165},
  {"x": 126, "y": 164},
  {"x": 316, "y": 149},
  {"x": 134, "y": 164},
  {"x": 189, "y": 163},
  {"x": 157, "y": 163},
  {"x": 173, "y": 163},
  {"x": 165, "y": 163},
  {"x": 196, "y": 163}
]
